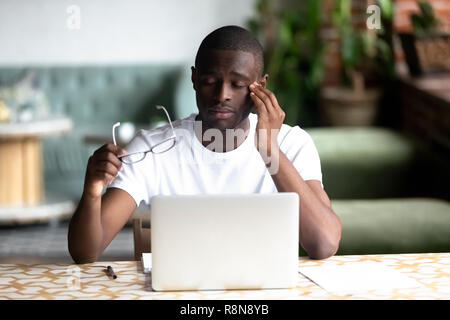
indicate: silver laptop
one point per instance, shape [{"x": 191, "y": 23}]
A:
[{"x": 229, "y": 241}]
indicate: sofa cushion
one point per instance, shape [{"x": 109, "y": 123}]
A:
[
  {"x": 372, "y": 162},
  {"x": 411, "y": 225}
]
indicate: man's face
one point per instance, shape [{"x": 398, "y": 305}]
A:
[{"x": 221, "y": 84}]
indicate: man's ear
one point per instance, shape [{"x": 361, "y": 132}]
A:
[
  {"x": 194, "y": 77},
  {"x": 263, "y": 80}
]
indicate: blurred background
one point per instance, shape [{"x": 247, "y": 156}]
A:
[{"x": 369, "y": 80}]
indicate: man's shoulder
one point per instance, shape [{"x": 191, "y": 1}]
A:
[
  {"x": 293, "y": 131},
  {"x": 293, "y": 137}
]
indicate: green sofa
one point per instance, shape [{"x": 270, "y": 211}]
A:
[{"x": 389, "y": 189}]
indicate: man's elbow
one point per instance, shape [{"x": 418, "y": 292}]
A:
[
  {"x": 328, "y": 245},
  {"x": 81, "y": 257},
  {"x": 83, "y": 260},
  {"x": 320, "y": 252},
  {"x": 324, "y": 248}
]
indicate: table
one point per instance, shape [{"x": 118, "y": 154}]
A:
[
  {"x": 89, "y": 281},
  {"x": 21, "y": 183}
]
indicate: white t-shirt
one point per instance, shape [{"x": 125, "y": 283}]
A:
[{"x": 190, "y": 168}]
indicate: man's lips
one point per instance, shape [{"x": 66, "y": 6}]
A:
[{"x": 221, "y": 113}]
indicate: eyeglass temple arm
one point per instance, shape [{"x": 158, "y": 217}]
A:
[
  {"x": 114, "y": 132},
  {"x": 168, "y": 117},
  {"x": 118, "y": 124}
]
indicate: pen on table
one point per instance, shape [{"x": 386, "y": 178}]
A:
[{"x": 111, "y": 272}]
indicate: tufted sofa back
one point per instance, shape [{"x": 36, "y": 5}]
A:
[{"x": 98, "y": 96}]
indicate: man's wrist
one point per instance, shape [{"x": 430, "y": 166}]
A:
[
  {"x": 88, "y": 196},
  {"x": 271, "y": 159}
]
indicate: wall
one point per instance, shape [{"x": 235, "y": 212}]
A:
[
  {"x": 403, "y": 8},
  {"x": 36, "y": 32},
  {"x": 115, "y": 32}
]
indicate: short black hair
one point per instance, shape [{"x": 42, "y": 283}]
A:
[{"x": 233, "y": 38}]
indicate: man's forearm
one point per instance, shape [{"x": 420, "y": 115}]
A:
[
  {"x": 85, "y": 235},
  {"x": 320, "y": 229}
]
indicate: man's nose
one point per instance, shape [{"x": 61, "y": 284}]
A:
[{"x": 223, "y": 92}]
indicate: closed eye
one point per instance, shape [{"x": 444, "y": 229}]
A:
[{"x": 240, "y": 85}]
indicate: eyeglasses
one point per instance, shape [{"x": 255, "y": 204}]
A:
[{"x": 160, "y": 147}]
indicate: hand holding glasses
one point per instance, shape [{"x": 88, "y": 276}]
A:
[
  {"x": 160, "y": 147},
  {"x": 106, "y": 162}
]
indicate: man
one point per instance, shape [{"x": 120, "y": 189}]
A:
[{"x": 261, "y": 155}]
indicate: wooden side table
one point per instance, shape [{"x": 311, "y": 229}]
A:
[{"x": 21, "y": 174}]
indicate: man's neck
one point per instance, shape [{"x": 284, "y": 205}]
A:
[{"x": 231, "y": 138}]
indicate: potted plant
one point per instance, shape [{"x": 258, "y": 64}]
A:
[
  {"x": 352, "y": 103},
  {"x": 426, "y": 49}
]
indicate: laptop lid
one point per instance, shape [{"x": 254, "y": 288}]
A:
[{"x": 228, "y": 241}]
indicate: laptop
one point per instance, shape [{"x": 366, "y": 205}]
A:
[{"x": 227, "y": 241}]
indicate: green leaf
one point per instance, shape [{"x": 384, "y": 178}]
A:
[
  {"x": 387, "y": 8},
  {"x": 285, "y": 32}
]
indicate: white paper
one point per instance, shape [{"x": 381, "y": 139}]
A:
[
  {"x": 358, "y": 277},
  {"x": 147, "y": 262}
]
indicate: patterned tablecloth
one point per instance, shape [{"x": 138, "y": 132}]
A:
[{"x": 90, "y": 281}]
